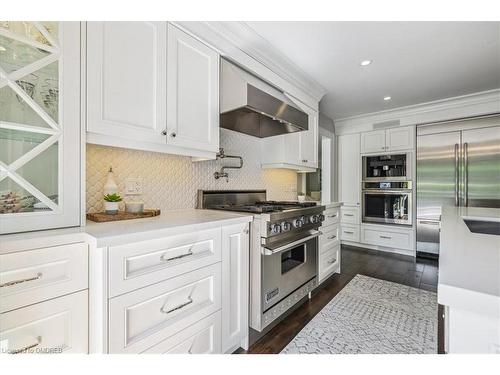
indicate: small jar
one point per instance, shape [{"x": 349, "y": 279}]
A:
[{"x": 134, "y": 207}]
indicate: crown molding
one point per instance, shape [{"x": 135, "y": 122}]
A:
[
  {"x": 479, "y": 103},
  {"x": 240, "y": 43}
]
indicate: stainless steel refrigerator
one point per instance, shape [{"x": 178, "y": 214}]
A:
[{"x": 458, "y": 164}]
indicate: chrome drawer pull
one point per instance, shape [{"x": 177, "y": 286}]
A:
[
  {"x": 15, "y": 282},
  {"x": 332, "y": 261},
  {"x": 332, "y": 215},
  {"x": 348, "y": 214},
  {"x": 348, "y": 232},
  {"x": 429, "y": 222},
  {"x": 385, "y": 237},
  {"x": 190, "y": 301},
  {"x": 332, "y": 237},
  {"x": 26, "y": 348},
  {"x": 189, "y": 253}
]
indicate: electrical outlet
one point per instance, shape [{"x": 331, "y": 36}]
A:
[{"x": 133, "y": 186}]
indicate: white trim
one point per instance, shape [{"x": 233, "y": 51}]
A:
[
  {"x": 27, "y": 128},
  {"x": 46, "y": 34},
  {"x": 470, "y": 105},
  {"x": 32, "y": 43},
  {"x": 239, "y": 43}
]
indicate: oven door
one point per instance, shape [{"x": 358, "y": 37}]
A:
[
  {"x": 389, "y": 207},
  {"x": 287, "y": 268}
]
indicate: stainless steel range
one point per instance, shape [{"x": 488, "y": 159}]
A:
[{"x": 283, "y": 249}]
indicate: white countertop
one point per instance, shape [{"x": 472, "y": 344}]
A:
[
  {"x": 119, "y": 232},
  {"x": 469, "y": 263}
]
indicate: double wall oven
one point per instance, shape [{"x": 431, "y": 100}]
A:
[{"x": 387, "y": 189}]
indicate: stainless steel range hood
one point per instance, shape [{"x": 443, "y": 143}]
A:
[{"x": 251, "y": 106}]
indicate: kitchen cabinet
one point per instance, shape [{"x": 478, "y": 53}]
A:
[
  {"x": 349, "y": 163},
  {"x": 298, "y": 151},
  {"x": 151, "y": 86},
  {"x": 392, "y": 139},
  {"x": 235, "y": 287},
  {"x": 388, "y": 236},
  {"x": 329, "y": 244},
  {"x": 39, "y": 126}
]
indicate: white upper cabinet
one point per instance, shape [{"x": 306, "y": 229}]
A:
[
  {"x": 151, "y": 86},
  {"x": 126, "y": 75},
  {"x": 298, "y": 150},
  {"x": 373, "y": 141},
  {"x": 393, "y": 139},
  {"x": 39, "y": 125},
  {"x": 192, "y": 93},
  {"x": 349, "y": 163},
  {"x": 400, "y": 138}
]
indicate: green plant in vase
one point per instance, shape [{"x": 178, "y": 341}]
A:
[{"x": 111, "y": 202}]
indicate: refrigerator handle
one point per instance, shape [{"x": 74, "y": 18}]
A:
[
  {"x": 456, "y": 173},
  {"x": 466, "y": 174}
]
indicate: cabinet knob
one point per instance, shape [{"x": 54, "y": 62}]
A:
[
  {"x": 164, "y": 132},
  {"x": 173, "y": 134}
]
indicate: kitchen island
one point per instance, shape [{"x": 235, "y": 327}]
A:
[{"x": 469, "y": 281}]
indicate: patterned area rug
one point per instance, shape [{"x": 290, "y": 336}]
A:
[{"x": 372, "y": 316}]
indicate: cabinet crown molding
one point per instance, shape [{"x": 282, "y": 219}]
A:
[{"x": 479, "y": 103}]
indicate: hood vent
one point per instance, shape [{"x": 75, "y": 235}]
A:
[{"x": 252, "y": 106}]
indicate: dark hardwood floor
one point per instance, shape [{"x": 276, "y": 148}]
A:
[{"x": 419, "y": 273}]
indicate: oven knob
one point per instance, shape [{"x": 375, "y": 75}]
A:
[
  {"x": 275, "y": 228},
  {"x": 313, "y": 219},
  {"x": 297, "y": 223},
  {"x": 321, "y": 217},
  {"x": 285, "y": 226}
]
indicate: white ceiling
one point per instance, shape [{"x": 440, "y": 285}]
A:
[{"x": 413, "y": 62}]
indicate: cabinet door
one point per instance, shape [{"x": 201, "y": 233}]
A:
[
  {"x": 126, "y": 89},
  {"x": 39, "y": 125},
  {"x": 400, "y": 138},
  {"x": 309, "y": 142},
  {"x": 235, "y": 284},
  {"x": 192, "y": 93},
  {"x": 373, "y": 141},
  {"x": 349, "y": 169}
]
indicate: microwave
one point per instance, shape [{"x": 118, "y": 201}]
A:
[{"x": 387, "y": 167}]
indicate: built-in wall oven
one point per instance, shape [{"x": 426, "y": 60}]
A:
[
  {"x": 388, "y": 202},
  {"x": 387, "y": 167}
]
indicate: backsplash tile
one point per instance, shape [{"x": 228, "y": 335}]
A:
[{"x": 172, "y": 182}]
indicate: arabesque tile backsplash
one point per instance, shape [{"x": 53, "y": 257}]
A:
[{"x": 172, "y": 182}]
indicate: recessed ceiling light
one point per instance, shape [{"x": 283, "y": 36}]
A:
[
  {"x": 387, "y": 98},
  {"x": 2, "y": 49},
  {"x": 366, "y": 62}
]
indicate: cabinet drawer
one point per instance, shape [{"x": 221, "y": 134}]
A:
[
  {"x": 349, "y": 215},
  {"x": 55, "y": 326},
  {"x": 349, "y": 233},
  {"x": 203, "y": 337},
  {"x": 332, "y": 216},
  {"x": 140, "y": 264},
  {"x": 142, "y": 318},
  {"x": 33, "y": 276},
  {"x": 398, "y": 240},
  {"x": 329, "y": 238},
  {"x": 328, "y": 262}
]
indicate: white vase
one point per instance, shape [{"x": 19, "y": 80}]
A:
[{"x": 111, "y": 208}]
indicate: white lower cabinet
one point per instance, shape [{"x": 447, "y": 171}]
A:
[
  {"x": 186, "y": 293},
  {"x": 59, "y": 325},
  {"x": 350, "y": 233},
  {"x": 235, "y": 287},
  {"x": 203, "y": 337},
  {"x": 142, "y": 318},
  {"x": 393, "y": 237},
  {"x": 329, "y": 249}
]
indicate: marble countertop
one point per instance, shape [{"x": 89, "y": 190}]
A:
[
  {"x": 469, "y": 263},
  {"x": 170, "y": 222}
]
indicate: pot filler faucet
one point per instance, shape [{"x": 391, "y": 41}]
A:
[{"x": 222, "y": 173}]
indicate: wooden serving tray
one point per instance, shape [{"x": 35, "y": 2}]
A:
[{"x": 101, "y": 217}]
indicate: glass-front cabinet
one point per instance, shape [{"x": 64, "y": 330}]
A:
[{"x": 39, "y": 125}]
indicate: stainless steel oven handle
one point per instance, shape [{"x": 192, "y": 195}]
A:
[
  {"x": 456, "y": 174},
  {"x": 267, "y": 251},
  {"x": 466, "y": 174}
]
